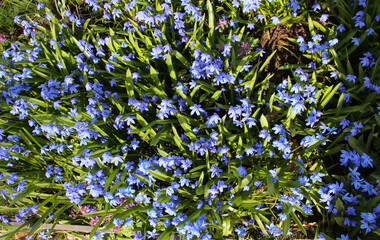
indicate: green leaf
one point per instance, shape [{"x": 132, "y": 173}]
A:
[
  {"x": 354, "y": 143},
  {"x": 377, "y": 117},
  {"x": 260, "y": 223},
  {"x": 298, "y": 222},
  {"x": 329, "y": 94},
  {"x": 135, "y": 46},
  {"x": 211, "y": 21},
  {"x": 351, "y": 109},
  {"x": 161, "y": 176},
  {"x": 157, "y": 83},
  {"x": 340, "y": 104},
  {"x": 111, "y": 177},
  {"x": 213, "y": 98},
  {"x": 263, "y": 121},
  {"x": 249, "y": 204},
  {"x": 339, "y": 221},
  {"x": 181, "y": 58},
  {"x": 25, "y": 193},
  {"x": 93, "y": 231},
  {"x": 184, "y": 122},
  {"x": 286, "y": 226},
  {"x": 267, "y": 61},
  {"x": 85, "y": 25},
  {"x": 129, "y": 84},
  {"x": 38, "y": 223},
  {"x": 339, "y": 205},
  {"x": 310, "y": 24},
  {"x": 177, "y": 139},
  {"x": 172, "y": 74}
]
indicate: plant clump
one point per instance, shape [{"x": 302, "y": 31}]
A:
[{"x": 205, "y": 119}]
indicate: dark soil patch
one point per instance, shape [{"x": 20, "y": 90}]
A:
[{"x": 276, "y": 38}]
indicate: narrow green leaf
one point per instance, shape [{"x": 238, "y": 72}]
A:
[
  {"x": 329, "y": 95},
  {"x": 161, "y": 176},
  {"x": 213, "y": 98},
  {"x": 286, "y": 226},
  {"x": 263, "y": 121},
  {"x": 177, "y": 139},
  {"x": 181, "y": 58},
  {"x": 129, "y": 84},
  {"x": 111, "y": 177},
  {"x": 267, "y": 61},
  {"x": 157, "y": 83},
  {"x": 298, "y": 222},
  {"x": 172, "y": 74},
  {"x": 184, "y": 122},
  {"x": 260, "y": 223},
  {"x": 354, "y": 143}
]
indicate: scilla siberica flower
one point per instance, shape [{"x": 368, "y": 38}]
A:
[
  {"x": 275, "y": 20},
  {"x": 273, "y": 173},
  {"x": 166, "y": 109}
]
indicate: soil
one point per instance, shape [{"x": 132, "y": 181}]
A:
[{"x": 276, "y": 38}]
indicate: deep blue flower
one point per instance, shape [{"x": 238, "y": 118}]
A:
[
  {"x": 273, "y": 173},
  {"x": 215, "y": 171},
  {"x": 274, "y": 230},
  {"x": 241, "y": 231},
  {"x": 117, "y": 222},
  {"x": 351, "y": 211},
  {"x": 196, "y": 109},
  {"x": 351, "y": 78},
  {"x": 241, "y": 171},
  {"x": 343, "y": 237},
  {"x": 213, "y": 120},
  {"x": 316, "y": 7}
]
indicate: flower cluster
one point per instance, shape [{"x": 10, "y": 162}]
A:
[{"x": 144, "y": 121}]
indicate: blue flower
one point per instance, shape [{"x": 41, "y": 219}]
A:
[
  {"x": 343, "y": 237},
  {"x": 367, "y": 60},
  {"x": 344, "y": 123},
  {"x": 134, "y": 144},
  {"x": 117, "y": 222},
  {"x": 213, "y": 120},
  {"x": 370, "y": 31},
  {"x": 241, "y": 171},
  {"x": 257, "y": 183},
  {"x": 166, "y": 109},
  {"x": 196, "y": 109},
  {"x": 138, "y": 236},
  {"x": 215, "y": 171},
  {"x": 323, "y": 18},
  {"x": 251, "y": 26},
  {"x": 317, "y": 177},
  {"x": 221, "y": 186},
  {"x": 274, "y": 230},
  {"x": 351, "y": 78},
  {"x": 275, "y": 20},
  {"x": 316, "y": 7},
  {"x": 152, "y": 234},
  {"x": 49, "y": 171},
  {"x": 110, "y": 67},
  {"x": 273, "y": 173},
  {"x": 282, "y": 216},
  {"x": 241, "y": 231},
  {"x": 156, "y": 52},
  {"x": 349, "y": 222},
  {"x": 116, "y": 13},
  {"x": 235, "y": 38},
  {"x": 333, "y": 42},
  {"x": 351, "y": 211},
  {"x": 366, "y": 160},
  {"x": 307, "y": 208}
]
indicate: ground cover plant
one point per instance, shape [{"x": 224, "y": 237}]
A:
[{"x": 207, "y": 119}]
